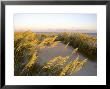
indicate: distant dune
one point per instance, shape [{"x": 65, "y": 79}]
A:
[
  {"x": 59, "y": 30},
  {"x": 68, "y": 30}
]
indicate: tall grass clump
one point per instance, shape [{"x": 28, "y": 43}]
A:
[
  {"x": 87, "y": 44},
  {"x": 26, "y": 48},
  {"x": 25, "y": 51},
  {"x": 59, "y": 66}
]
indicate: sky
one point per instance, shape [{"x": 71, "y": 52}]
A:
[{"x": 55, "y": 22}]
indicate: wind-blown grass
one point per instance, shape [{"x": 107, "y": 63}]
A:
[
  {"x": 26, "y": 48},
  {"x": 87, "y": 44}
]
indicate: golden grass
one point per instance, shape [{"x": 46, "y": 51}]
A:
[{"x": 26, "y": 47}]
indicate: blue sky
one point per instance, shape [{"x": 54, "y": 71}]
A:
[{"x": 44, "y": 22}]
